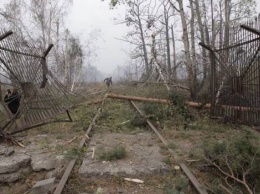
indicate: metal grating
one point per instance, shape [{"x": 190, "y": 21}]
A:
[
  {"x": 42, "y": 96},
  {"x": 235, "y": 75}
]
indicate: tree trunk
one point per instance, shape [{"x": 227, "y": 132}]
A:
[
  {"x": 155, "y": 61},
  {"x": 166, "y": 18},
  {"x": 202, "y": 37},
  {"x": 174, "y": 71},
  {"x": 189, "y": 64},
  {"x": 193, "y": 53},
  {"x": 147, "y": 68}
]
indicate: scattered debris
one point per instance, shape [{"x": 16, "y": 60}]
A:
[
  {"x": 44, "y": 186},
  {"x": 9, "y": 152},
  {"x": 43, "y": 162},
  {"x": 177, "y": 167},
  {"x": 68, "y": 142},
  {"x": 93, "y": 153},
  {"x": 134, "y": 180}
]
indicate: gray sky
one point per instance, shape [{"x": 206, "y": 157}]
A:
[{"x": 87, "y": 15}]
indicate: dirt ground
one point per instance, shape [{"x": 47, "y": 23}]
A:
[
  {"x": 115, "y": 125},
  {"x": 143, "y": 155}
]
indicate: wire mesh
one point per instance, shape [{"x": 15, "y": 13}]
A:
[
  {"x": 42, "y": 97},
  {"x": 236, "y": 75}
]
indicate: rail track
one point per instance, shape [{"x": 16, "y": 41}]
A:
[{"x": 61, "y": 185}]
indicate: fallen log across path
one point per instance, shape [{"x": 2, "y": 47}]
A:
[
  {"x": 158, "y": 100},
  {"x": 188, "y": 103}
]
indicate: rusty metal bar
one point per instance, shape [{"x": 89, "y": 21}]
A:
[
  {"x": 8, "y": 68},
  {"x": 251, "y": 62},
  {"x": 38, "y": 125},
  {"x": 250, "y": 29},
  {"x": 5, "y": 35},
  {"x": 68, "y": 113},
  {"x": 47, "y": 50},
  {"x": 19, "y": 52},
  {"x": 240, "y": 44}
]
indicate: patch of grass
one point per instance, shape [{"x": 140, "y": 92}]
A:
[
  {"x": 43, "y": 144},
  {"x": 171, "y": 145},
  {"x": 116, "y": 153},
  {"x": 24, "y": 175},
  {"x": 154, "y": 111},
  {"x": 182, "y": 183},
  {"x": 136, "y": 130},
  {"x": 73, "y": 153},
  {"x": 183, "y": 135},
  {"x": 178, "y": 106},
  {"x": 167, "y": 160},
  {"x": 138, "y": 121}
]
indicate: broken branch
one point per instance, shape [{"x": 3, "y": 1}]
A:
[
  {"x": 93, "y": 153},
  {"x": 134, "y": 180},
  {"x": 68, "y": 142}
]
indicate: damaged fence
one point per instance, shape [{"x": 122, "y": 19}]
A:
[{"x": 235, "y": 74}]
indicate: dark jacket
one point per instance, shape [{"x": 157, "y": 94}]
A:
[{"x": 13, "y": 102}]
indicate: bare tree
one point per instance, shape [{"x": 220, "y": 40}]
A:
[
  {"x": 187, "y": 50},
  {"x": 47, "y": 21},
  {"x": 139, "y": 18}
]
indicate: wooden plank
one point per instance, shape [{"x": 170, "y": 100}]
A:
[
  {"x": 193, "y": 179},
  {"x": 5, "y": 35},
  {"x": 65, "y": 177},
  {"x": 248, "y": 28}
]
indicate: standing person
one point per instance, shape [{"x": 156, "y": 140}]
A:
[
  {"x": 108, "y": 81},
  {"x": 13, "y": 101}
]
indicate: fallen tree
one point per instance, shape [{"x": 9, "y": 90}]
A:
[{"x": 157, "y": 100}]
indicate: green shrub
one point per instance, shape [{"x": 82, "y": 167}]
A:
[
  {"x": 178, "y": 106},
  {"x": 237, "y": 157},
  {"x": 182, "y": 183},
  {"x": 154, "y": 111},
  {"x": 138, "y": 121},
  {"x": 167, "y": 160},
  {"x": 116, "y": 153},
  {"x": 73, "y": 153}
]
